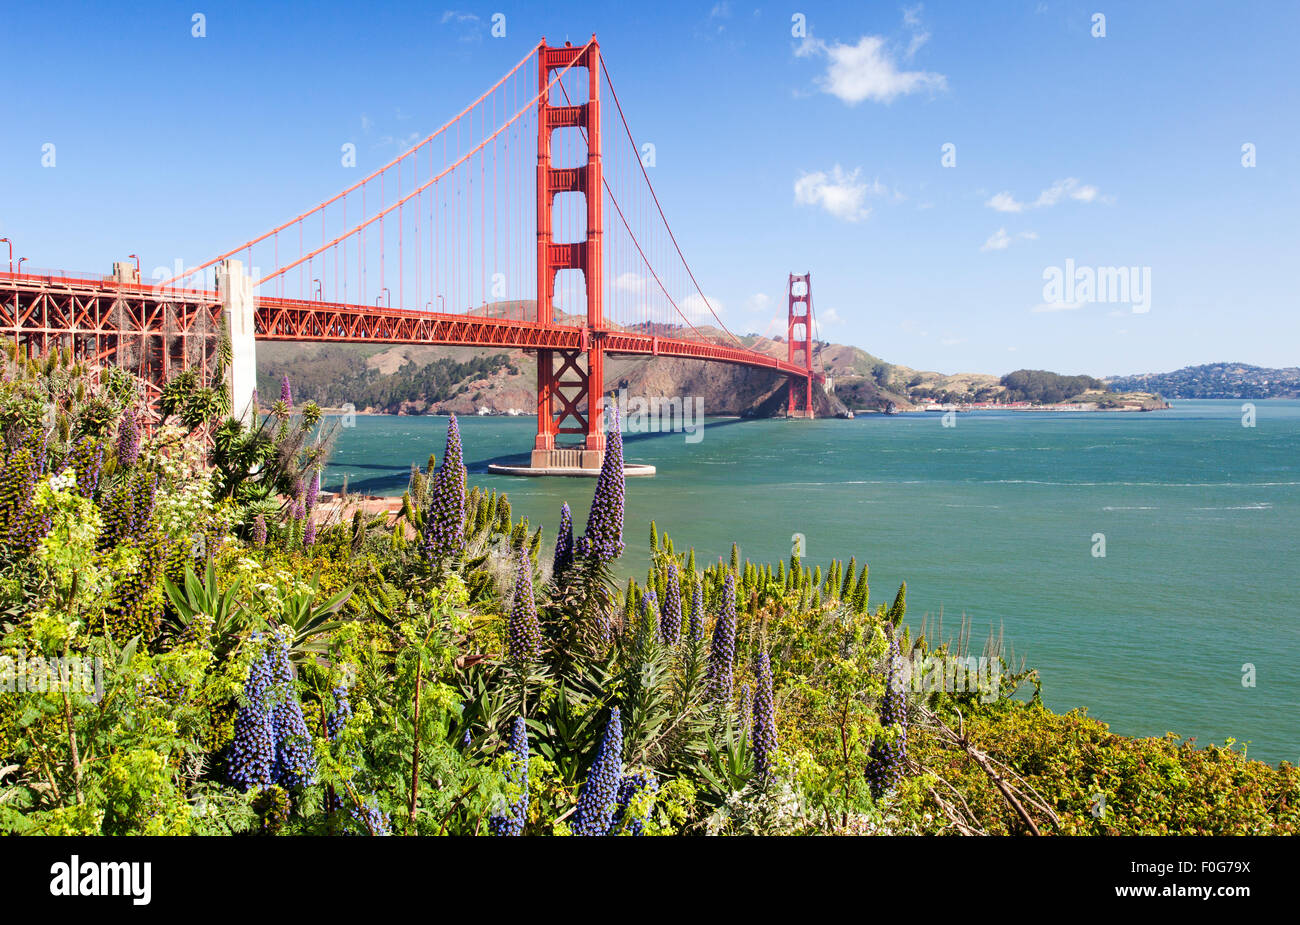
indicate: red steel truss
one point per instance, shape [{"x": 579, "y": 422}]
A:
[
  {"x": 100, "y": 318},
  {"x": 154, "y": 333}
]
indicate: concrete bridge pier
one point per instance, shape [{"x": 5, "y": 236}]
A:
[{"x": 235, "y": 287}]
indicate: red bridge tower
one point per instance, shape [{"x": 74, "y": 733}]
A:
[
  {"x": 799, "y": 290},
  {"x": 569, "y": 396}
]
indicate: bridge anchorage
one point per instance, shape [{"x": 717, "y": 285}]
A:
[{"x": 437, "y": 248}]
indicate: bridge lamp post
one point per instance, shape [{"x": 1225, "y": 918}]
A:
[
  {"x": 137, "y": 265},
  {"x": 379, "y": 298},
  {"x": 317, "y": 291},
  {"x": 20, "y": 263},
  {"x": 11, "y": 252}
]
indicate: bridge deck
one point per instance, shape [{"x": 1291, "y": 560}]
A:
[{"x": 47, "y": 306}]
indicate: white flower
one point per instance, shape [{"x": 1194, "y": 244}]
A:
[{"x": 65, "y": 480}]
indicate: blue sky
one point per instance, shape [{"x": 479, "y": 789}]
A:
[{"x": 774, "y": 153}]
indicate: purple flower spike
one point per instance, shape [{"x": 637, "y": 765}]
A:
[
  {"x": 599, "y": 799},
  {"x": 525, "y": 632},
  {"x": 512, "y": 822},
  {"x": 670, "y": 615},
  {"x": 313, "y": 490},
  {"x": 252, "y": 751},
  {"x": 764, "y": 736},
  {"x": 128, "y": 439},
  {"x": 722, "y": 653},
  {"x": 295, "y": 759},
  {"x": 697, "y": 610},
  {"x": 603, "y": 540},
  {"x": 286, "y": 393},
  {"x": 444, "y": 522},
  {"x": 885, "y": 759},
  {"x": 628, "y": 788},
  {"x": 563, "y": 543}
]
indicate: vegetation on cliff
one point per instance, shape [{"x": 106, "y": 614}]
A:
[{"x": 1216, "y": 380}]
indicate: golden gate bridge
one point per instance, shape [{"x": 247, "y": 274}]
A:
[{"x": 517, "y": 224}]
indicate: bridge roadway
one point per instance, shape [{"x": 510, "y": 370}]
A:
[{"x": 43, "y": 307}]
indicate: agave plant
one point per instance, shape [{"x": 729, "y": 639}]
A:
[
  {"x": 201, "y": 607},
  {"x": 730, "y": 764},
  {"x": 305, "y": 616}
]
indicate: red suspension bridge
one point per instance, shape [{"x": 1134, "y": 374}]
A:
[{"x": 517, "y": 224}]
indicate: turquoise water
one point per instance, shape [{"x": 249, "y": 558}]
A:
[{"x": 994, "y": 519}]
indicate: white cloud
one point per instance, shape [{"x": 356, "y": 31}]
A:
[
  {"x": 1005, "y": 202},
  {"x": 868, "y": 70},
  {"x": 696, "y": 308},
  {"x": 839, "y": 192},
  {"x": 1063, "y": 188},
  {"x": 1069, "y": 188},
  {"x": 467, "y": 25},
  {"x": 951, "y": 341},
  {"x": 629, "y": 282},
  {"x": 758, "y": 302},
  {"x": 829, "y": 316},
  {"x": 1000, "y": 240}
]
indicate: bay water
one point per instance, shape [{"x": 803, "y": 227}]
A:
[{"x": 1189, "y": 622}]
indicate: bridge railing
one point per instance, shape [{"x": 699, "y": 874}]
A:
[{"x": 68, "y": 279}]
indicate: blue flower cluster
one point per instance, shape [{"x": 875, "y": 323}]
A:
[
  {"x": 128, "y": 509},
  {"x": 649, "y": 608},
  {"x": 697, "y": 610},
  {"x": 563, "y": 544},
  {"x": 271, "y": 743},
  {"x": 525, "y": 643},
  {"x": 670, "y": 616},
  {"x": 87, "y": 460},
  {"x": 603, "y": 540},
  {"x": 443, "y": 534},
  {"x": 513, "y": 821},
  {"x": 764, "y": 737},
  {"x": 128, "y": 440},
  {"x": 342, "y": 712},
  {"x": 313, "y": 491},
  {"x": 886, "y": 759},
  {"x": 628, "y": 788},
  {"x": 746, "y": 709},
  {"x": 722, "y": 653},
  {"x": 295, "y": 760},
  {"x": 372, "y": 820},
  {"x": 251, "y": 760},
  {"x": 21, "y": 524},
  {"x": 599, "y": 798}
]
